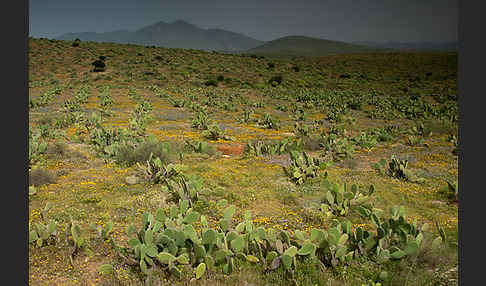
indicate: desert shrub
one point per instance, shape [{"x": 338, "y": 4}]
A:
[
  {"x": 76, "y": 42},
  {"x": 211, "y": 82},
  {"x": 99, "y": 66},
  {"x": 275, "y": 80},
  {"x": 40, "y": 176},
  {"x": 129, "y": 155}
]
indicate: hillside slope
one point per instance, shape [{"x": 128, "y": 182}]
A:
[{"x": 306, "y": 46}]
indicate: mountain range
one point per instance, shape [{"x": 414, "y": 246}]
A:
[
  {"x": 181, "y": 34},
  {"x": 178, "y": 34}
]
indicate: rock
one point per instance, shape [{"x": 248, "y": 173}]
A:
[{"x": 131, "y": 180}]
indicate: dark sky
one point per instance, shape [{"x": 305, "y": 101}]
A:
[{"x": 342, "y": 20}]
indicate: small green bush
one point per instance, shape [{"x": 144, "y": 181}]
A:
[
  {"x": 76, "y": 42},
  {"x": 211, "y": 82},
  {"x": 99, "y": 66},
  {"x": 275, "y": 80},
  {"x": 129, "y": 155}
]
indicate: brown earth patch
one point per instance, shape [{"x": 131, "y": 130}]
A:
[{"x": 231, "y": 149}]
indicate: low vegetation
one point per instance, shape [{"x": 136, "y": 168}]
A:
[{"x": 180, "y": 167}]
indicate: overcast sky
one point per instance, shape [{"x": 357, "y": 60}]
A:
[{"x": 341, "y": 20}]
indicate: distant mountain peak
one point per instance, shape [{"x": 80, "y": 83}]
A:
[
  {"x": 176, "y": 34},
  {"x": 180, "y": 21}
]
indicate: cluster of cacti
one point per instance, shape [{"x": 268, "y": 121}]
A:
[
  {"x": 70, "y": 105},
  {"x": 336, "y": 111},
  {"x": 395, "y": 237},
  {"x": 44, "y": 98},
  {"x": 365, "y": 140},
  {"x": 91, "y": 122},
  {"x": 299, "y": 114},
  {"x": 156, "y": 172},
  {"x": 214, "y": 132},
  {"x": 74, "y": 239},
  {"x": 178, "y": 102},
  {"x": 182, "y": 188},
  {"x": 450, "y": 191},
  {"x": 158, "y": 91},
  {"x": 302, "y": 167},
  {"x": 105, "y": 101},
  {"x": 171, "y": 240},
  {"x": 74, "y": 104},
  {"x": 106, "y": 141},
  {"x": 247, "y": 114},
  {"x": 82, "y": 95},
  {"x": 140, "y": 117},
  {"x": 259, "y": 148},
  {"x": 420, "y": 130},
  {"x": 269, "y": 122},
  {"x": 397, "y": 169},
  {"x": 258, "y": 104},
  {"x": 199, "y": 146},
  {"x": 42, "y": 233},
  {"x": 413, "y": 140},
  {"x": 337, "y": 148},
  {"x": 337, "y": 129},
  {"x": 133, "y": 94},
  {"x": 453, "y": 139},
  {"x": 36, "y": 147},
  {"x": 229, "y": 107},
  {"x": 339, "y": 200},
  {"x": 301, "y": 130},
  {"x": 282, "y": 107},
  {"x": 201, "y": 121},
  {"x": 386, "y": 133}
]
